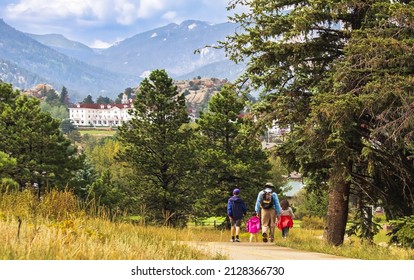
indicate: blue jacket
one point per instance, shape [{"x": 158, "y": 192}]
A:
[
  {"x": 276, "y": 204},
  {"x": 236, "y": 208}
]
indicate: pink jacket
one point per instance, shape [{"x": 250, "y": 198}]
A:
[{"x": 253, "y": 225}]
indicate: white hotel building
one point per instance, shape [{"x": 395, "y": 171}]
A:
[{"x": 101, "y": 115}]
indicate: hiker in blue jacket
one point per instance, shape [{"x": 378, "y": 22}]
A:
[
  {"x": 236, "y": 209},
  {"x": 268, "y": 209}
]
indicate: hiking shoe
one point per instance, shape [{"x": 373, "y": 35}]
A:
[
  {"x": 264, "y": 237},
  {"x": 271, "y": 239},
  {"x": 232, "y": 240},
  {"x": 237, "y": 240}
]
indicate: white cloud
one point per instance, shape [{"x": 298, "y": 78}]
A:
[
  {"x": 170, "y": 15},
  {"x": 47, "y": 9},
  {"x": 126, "y": 12},
  {"x": 104, "y": 20},
  {"x": 122, "y": 11},
  {"x": 148, "y": 7}
]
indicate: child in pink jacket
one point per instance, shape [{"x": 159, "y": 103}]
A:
[{"x": 253, "y": 227}]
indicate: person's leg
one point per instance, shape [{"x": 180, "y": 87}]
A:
[
  {"x": 237, "y": 225},
  {"x": 237, "y": 233},
  {"x": 232, "y": 229},
  {"x": 272, "y": 234},
  {"x": 265, "y": 224},
  {"x": 286, "y": 231},
  {"x": 251, "y": 237},
  {"x": 256, "y": 236},
  {"x": 265, "y": 229},
  {"x": 272, "y": 224}
]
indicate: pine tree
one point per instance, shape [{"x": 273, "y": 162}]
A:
[
  {"x": 157, "y": 147},
  {"x": 230, "y": 154},
  {"x": 293, "y": 49},
  {"x": 33, "y": 138},
  {"x": 64, "y": 96},
  {"x": 88, "y": 100}
]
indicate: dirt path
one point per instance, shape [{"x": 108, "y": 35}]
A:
[{"x": 260, "y": 251}]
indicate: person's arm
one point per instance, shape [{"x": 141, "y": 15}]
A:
[
  {"x": 257, "y": 206},
  {"x": 292, "y": 215},
  {"x": 229, "y": 209},
  {"x": 277, "y": 204}
]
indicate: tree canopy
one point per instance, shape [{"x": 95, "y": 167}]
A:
[
  {"x": 33, "y": 139},
  {"x": 321, "y": 66},
  {"x": 156, "y": 145},
  {"x": 229, "y": 152}
]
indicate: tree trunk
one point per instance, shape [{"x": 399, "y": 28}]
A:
[{"x": 338, "y": 199}]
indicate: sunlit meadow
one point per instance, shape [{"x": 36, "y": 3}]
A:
[{"x": 59, "y": 228}]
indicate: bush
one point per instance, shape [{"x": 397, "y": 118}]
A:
[
  {"x": 402, "y": 232},
  {"x": 7, "y": 185},
  {"x": 309, "y": 203},
  {"x": 26, "y": 205},
  {"x": 312, "y": 222}
]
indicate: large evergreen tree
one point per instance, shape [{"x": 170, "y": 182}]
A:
[
  {"x": 230, "y": 154},
  {"x": 33, "y": 138},
  {"x": 292, "y": 48},
  {"x": 373, "y": 86},
  {"x": 157, "y": 147}
]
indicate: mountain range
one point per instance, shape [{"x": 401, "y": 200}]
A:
[{"x": 29, "y": 59}]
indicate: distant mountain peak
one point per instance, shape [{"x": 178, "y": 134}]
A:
[
  {"x": 124, "y": 64},
  {"x": 193, "y": 21}
]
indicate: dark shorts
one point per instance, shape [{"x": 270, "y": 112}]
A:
[{"x": 236, "y": 223}]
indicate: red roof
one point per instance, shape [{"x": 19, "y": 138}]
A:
[{"x": 101, "y": 106}]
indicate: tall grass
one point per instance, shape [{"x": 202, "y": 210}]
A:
[
  {"x": 61, "y": 228},
  {"x": 312, "y": 240}
]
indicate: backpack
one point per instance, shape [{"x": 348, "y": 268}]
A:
[
  {"x": 253, "y": 225},
  {"x": 267, "y": 200},
  {"x": 237, "y": 209}
]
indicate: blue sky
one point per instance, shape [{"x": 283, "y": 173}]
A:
[{"x": 100, "y": 23}]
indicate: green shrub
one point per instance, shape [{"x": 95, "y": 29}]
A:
[
  {"x": 7, "y": 185},
  {"x": 402, "y": 232},
  {"x": 312, "y": 222},
  {"x": 363, "y": 224},
  {"x": 309, "y": 203}
]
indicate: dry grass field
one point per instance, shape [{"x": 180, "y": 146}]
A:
[{"x": 60, "y": 228}]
